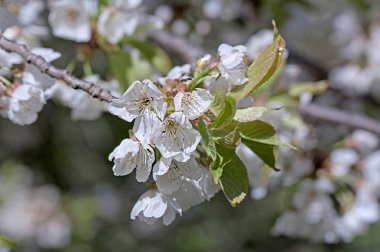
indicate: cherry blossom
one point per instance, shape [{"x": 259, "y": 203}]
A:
[
  {"x": 176, "y": 138},
  {"x": 153, "y": 205},
  {"x": 131, "y": 155},
  {"x": 70, "y": 19},
  {"x": 193, "y": 104},
  {"x": 24, "y": 101},
  {"x": 169, "y": 174},
  {"x": 232, "y": 64}
]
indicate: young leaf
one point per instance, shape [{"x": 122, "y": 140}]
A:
[
  {"x": 216, "y": 168},
  {"x": 228, "y": 136},
  {"x": 218, "y": 104},
  {"x": 227, "y": 114},
  {"x": 252, "y": 113},
  {"x": 262, "y": 68},
  {"x": 264, "y": 151},
  {"x": 8, "y": 243},
  {"x": 311, "y": 87},
  {"x": 209, "y": 144},
  {"x": 234, "y": 179},
  {"x": 259, "y": 131}
]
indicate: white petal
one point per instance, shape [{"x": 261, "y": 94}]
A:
[
  {"x": 145, "y": 127},
  {"x": 176, "y": 137},
  {"x": 169, "y": 216},
  {"x": 156, "y": 207},
  {"x": 161, "y": 167},
  {"x": 178, "y": 101},
  {"x": 126, "y": 146},
  {"x": 124, "y": 157},
  {"x": 143, "y": 162},
  {"x": 172, "y": 180}
]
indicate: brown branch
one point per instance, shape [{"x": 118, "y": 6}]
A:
[
  {"x": 334, "y": 115},
  {"x": 176, "y": 45},
  {"x": 45, "y": 67}
]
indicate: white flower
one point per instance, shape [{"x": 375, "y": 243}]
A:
[
  {"x": 127, "y": 4},
  {"x": 209, "y": 188},
  {"x": 153, "y": 205},
  {"x": 352, "y": 79},
  {"x": 131, "y": 155},
  {"x": 30, "y": 11},
  {"x": 232, "y": 64},
  {"x": 196, "y": 190},
  {"x": 365, "y": 210},
  {"x": 140, "y": 98},
  {"x": 176, "y": 138},
  {"x": 365, "y": 141},
  {"x": 25, "y": 101},
  {"x": 169, "y": 174},
  {"x": 113, "y": 23},
  {"x": 193, "y": 104},
  {"x": 4, "y": 102},
  {"x": 69, "y": 19},
  {"x": 371, "y": 168},
  {"x": 142, "y": 101},
  {"x": 8, "y": 59},
  {"x": 341, "y": 161},
  {"x": 177, "y": 73},
  {"x": 189, "y": 194},
  {"x": 314, "y": 216}
]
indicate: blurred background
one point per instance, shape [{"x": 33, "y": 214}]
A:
[{"x": 58, "y": 192}]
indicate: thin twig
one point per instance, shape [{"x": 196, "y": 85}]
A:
[
  {"x": 334, "y": 115},
  {"x": 45, "y": 67}
]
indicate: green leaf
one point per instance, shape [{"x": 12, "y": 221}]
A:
[
  {"x": 264, "y": 151},
  {"x": 262, "y": 68},
  {"x": 234, "y": 179},
  {"x": 158, "y": 57},
  {"x": 104, "y": 3},
  {"x": 227, "y": 114},
  {"x": 8, "y": 243},
  {"x": 216, "y": 168},
  {"x": 209, "y": 144},
  {"x": 119, "y": 63},
  {"x": 252, "y": 113},
  {"x": 308, "y": 87},
  {"x": 217, "y": 105},
  {"x": 259, "y": 131},
  {"x": 228, "y": 136}
]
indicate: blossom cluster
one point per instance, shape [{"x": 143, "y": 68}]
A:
[
  {"x": 23, "y": 89},
  {"x": 336, "y": 199},
  {"x": 165, "y": 141},
  {"x": 356, "y": 43},
  {"x": 342, "y": 201},
  {"x": 163, "y": 134},
  {"x": 73, "y": 20}
]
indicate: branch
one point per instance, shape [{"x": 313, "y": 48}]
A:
[
  {"x": 45, "y": 67},
  {"x": 334, "y": 115},
  {"x": 176, "y": 45}
]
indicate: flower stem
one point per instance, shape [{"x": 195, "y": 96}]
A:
[{"x": 198, "y": 79}]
